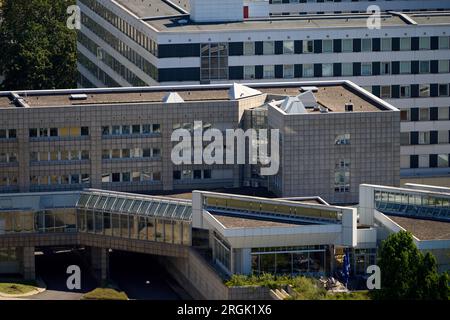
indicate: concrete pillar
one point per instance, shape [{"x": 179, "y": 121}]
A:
[
  {"x": 100, "y": 262},
  {"x": 28, "y": 263}
]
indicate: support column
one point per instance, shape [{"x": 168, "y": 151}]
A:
[
  {"x": 28, "y": 262},
  {"x": 100, "y": 262}
]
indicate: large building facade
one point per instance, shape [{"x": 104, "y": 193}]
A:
[
  {"x": 406, "y": 62},
  {"x": 333, "y": 136}
]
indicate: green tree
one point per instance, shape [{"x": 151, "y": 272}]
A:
[
  {"x": 408, "y": 274},
  {"x": 38, "y": 51}
]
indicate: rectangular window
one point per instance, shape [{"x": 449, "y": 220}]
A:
[
  {"x": 405, "y": 44},
  {"x": 327, "y": 69},
  {"x": 105, "y": 154},
  {"x": 308, "y": 70},
  {"x": 424, "y": 90},
  {"x": 347, "y": 69},
  {"x": 424, "y": 114},
  {"x": 53, "y": 132},
  {"x": 424, "y": 137},
  {"x": 444, "y": 42},
  {"x": 424, "y": 67},
  {"x": 288, "y": 71},
  {"x": 443, "y": 113},
  {"x": 308, "y": 46},
  {"x": 105, "y": 131},
  {"x": 156, "y": 128},
  {"x": 186, "y": 174},
  {"x": 366, "y": 69},
  {"x": 443, "y": 66},
  {"x": 43, "y": 132},
  {"x": 404, "y": 138},
  {"x": 342, "y": 176},
  {"x": 115, "y": 130},
  {"x": 442, "y": 160},
  {"x": 197, "y": 174},
  {"x": 405, "y": 92},
  {"x": 443, "y": 137},
  {"x": 12, "y": 133},
  {"x": 249, "y": 48},
  {"x": 207, "y": 174},
  {"x": 424, "y": 43},
  {"x": 386, "y": 44},
  {"x": 342, "y": 139},
  {"x": 84, "y": 131},
  {"x": 126, "y": 153},
  {"x": 385, "y": 68},
  {"x": 443, "y": 90},
  {"x": 268, "y": 47},
  {"x": 404, "y": 115},
  {"x": 366, "y": 45},
  {"x": 249, "y": 72},
  {"x": 115, "y": 154},
  {"x": 327, "y": 46},
  {"x": 386, "y": 92},
  {"x": 288, "y": 47},
  {"x": 126, "y": 130},
  {"x": 269, "y": 72},
  {"x": 136, "y": 129},
  {"x": 2, "y": 133},
  {"x": 147, "y": 152},
  {"x": 405, "y": 67},
  {"x": 347, "y": 45},
  {"x": 146, "y": 129},
  {"x": 115, "y": 177}
]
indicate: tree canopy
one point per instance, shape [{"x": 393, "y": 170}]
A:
[
  {"x": 406, "y": 273},
  {"x": 37, "y": 49}
]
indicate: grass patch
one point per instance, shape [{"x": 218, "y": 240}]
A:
[
  {"x": 105, "y": 294},
  {"x": 305, "y": 288},
  {"x": 17, "y": 287}
]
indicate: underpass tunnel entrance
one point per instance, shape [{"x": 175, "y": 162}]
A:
[{"x": 142, "y": 276}]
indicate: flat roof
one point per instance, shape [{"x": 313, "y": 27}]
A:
[
  {"x": 151, "y": 8},
  {"x": 424, "y": 229},
  {"x": 430, "y": 18},
  {"x": 236, "y": 222},
  {"x": 331, "y": 94}
]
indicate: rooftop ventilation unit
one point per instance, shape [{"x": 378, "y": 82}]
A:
[
  {"x": 348, "y": 107},
  {"x": 323, "y": 109},
  {"x": 313, "y": 89},
  {"x": 80, "y": 96}
]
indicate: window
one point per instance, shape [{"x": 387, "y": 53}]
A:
[
  {"x": 288, "y": 71},
  {"x": 105, "y": 130},
  {"x": 405, "y": 67},
  {"x": 327, "y": 70},
  {"x": 105, "y": 154},
  {"x": 342, "y": 176},
  {"x": 126, "y": 130},
  {"x": 269, "y": 71},
  {"x": 366, "y": 45},
  {"x": 207, "y": 174},
  {"x": 146, "y": 129},
  {"x": 424, "y": 161},
  {"x": 249, "y": 72},
  {"x": 405, "y": 44},
  {"x": 404, "y": 138},
  {"x": 43, "y": 132},
  {"x": 115, "y": 154},
  {"x": 115, "y": 130},
  {"x": 405, "y": 92},
  {"x": 424, "y": 137},
  {"x": 385, "y": 68},
  {"x": 84, "y": 155},
  {"x": 308, "y": 70},
  {"x": 327, "y": 46},
  {"x": 126, "y": 153},
  {"x": 115, "y": 177},
  {"x": 404, "y": 115},
  {"x": 84, "y": 131},
  {"x": 444, "y": 42},
  {"x": 2, "y": 133},
  {"x": 443, "y": 113},
  {"x": 136, "y": 129},
  {"x": 308, "y": 46},
  {"x": 347, "y": 45},
  {"x": 424, "y": 114},
  {"x": 156, "y": 128},
  {"x": 347, "y": 69},
  {"x": 424, "y": 90},
  {"x": 177, "y": 175},
  {"x": 156, "y": 152},
  {"x": 53, "y": 132},
  {"x": 385, "y": 91},
  {"x": 443, "y": 137},
  {"x": 268, "y": 47},
  {"x": 424, "y": 67},
  {"x": 12, "y": 133},
  {"x": 386, "y": 44},
  {"x": 214, "y": 61},
  {"x": 33, "y": 133},
  {"x": 442, "y": 160},
  {"x": 443, "y": 89},
  {"x": 424, "y": 43},
  {"x": 126, "y": 177},
  {"x": 186, "y": 174},
  {"x": 197, "y": 174},
  {"x": 366, "y": 68},
  {"x": 147, "y": 152},
  {"x": 288, "y": 47},
  {"x": 443, "y": 66},
  {"x": 249, "y": 48},
  {"x": 342, "y": 139},
  {"x": 33, "y": 156}
]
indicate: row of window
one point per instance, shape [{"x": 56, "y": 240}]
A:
[
  {"x": 8, "y": 133},
  {"x": 191, "y": 174},
  {"x": 135, "y": 176},
  {"x": 425, "y": 114},
  {"x": 8, "y": 157},
  {"x": 131, "y": 153},
  {"x": 131, "y": 129},
  {"x": 58, "y": 132},
  {"x": 65, "y": 155},
  {"x": 8, "y": 181},
  {"x": 118, "y": 45},
  {"x": 424, "y": 137},
  {"x": 345, "y": 45},
  {"x": 310, "y": 70},
  {"x": 134, "y": 34},
  {"x": 342, "y": 176},
  {"x": 424, "y": 161},
  {"x": 97, "y": 72},
  {"x": 64, "y": 179}
]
